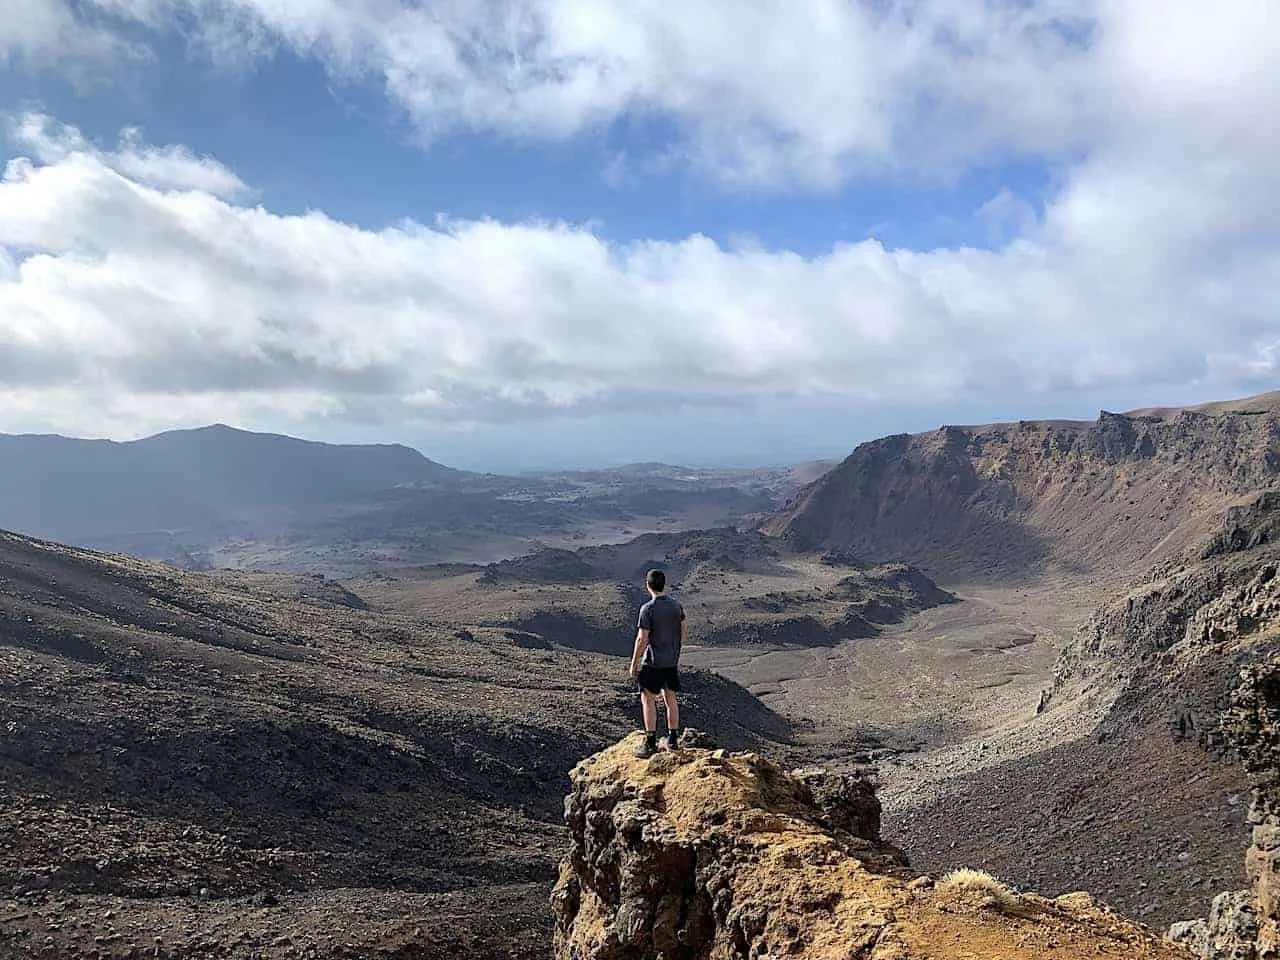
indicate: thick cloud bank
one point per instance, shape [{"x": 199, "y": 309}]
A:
[{"x": 138, "y": 283}]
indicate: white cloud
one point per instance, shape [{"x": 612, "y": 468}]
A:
[
  {"x": 762, "y": 92},
  {"x": 137, "y": 285},
  {"x": 768, "y": 92},
  {"x": 50, "y": 142},
  {"x": 36, "y": 33},
  {"x": 133, "y": 295}
]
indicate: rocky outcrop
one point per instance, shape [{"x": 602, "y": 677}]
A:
[
  {"x": 1254, "y": 724},
  {"x": 1230, "y": 933},
  {"x": 724, "y": 548},
  {"x": 1245, "y": 925},
  {"x": 1248, "y": 526},
  {"x": 587, "y": 599},
  {"x": 701, "y": 854}
]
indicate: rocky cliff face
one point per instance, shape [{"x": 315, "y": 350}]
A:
[
  {"x": 1146, "y": 682},
  {"x": 1012, "y": 500},
  {"x": 1170, "y": 649},
  {"x": 1245, "y": 925},
  {"x": 701, "y": 854},
  {"x": 1255, "y": 725}
]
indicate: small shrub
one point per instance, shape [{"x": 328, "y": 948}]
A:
[{"x": 996, "y": 894}]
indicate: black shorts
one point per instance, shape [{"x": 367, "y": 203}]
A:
[{"x": 657, "y": 679}]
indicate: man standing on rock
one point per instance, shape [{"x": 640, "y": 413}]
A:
[{"x": 655, "y": 662}]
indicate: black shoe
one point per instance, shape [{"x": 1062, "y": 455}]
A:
[
  {"x": 647, "y": 748},
  {"x": 673, "y": 740}
]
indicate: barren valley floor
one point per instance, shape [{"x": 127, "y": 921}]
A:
[
  {"x": 971, "y": 774},
  {"x": 944, "y": 676}
]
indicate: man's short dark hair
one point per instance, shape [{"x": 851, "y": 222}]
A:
[{"x": 657, "y": 580}]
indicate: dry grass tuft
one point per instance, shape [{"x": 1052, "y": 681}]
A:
[{"x": 996, "y": 893}]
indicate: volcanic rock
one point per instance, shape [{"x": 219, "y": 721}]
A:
[
  {"x": 1245, "y": 924},
  {"x": 708, "y": 855}
]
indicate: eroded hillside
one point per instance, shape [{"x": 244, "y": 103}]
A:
[
  {"x": 1021, "y": 500},
  {"x": 1140, "y": 547},
  {"x": 1145, "y": 805}
]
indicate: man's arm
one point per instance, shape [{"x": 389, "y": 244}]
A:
[{"x": 642, "y": 644}]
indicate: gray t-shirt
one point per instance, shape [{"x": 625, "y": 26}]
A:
[{"x": 662, "y": 616}]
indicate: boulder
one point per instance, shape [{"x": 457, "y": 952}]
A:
[{"x": 1192, "y": 934}]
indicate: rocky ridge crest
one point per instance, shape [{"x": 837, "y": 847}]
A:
[{"x": 1016, "y": 499}]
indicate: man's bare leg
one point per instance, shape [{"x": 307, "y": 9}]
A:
[
  {"x": 649, "y": 706},
  {"x": 673, "y": 717},
  {"x": 673, "y": 709}
]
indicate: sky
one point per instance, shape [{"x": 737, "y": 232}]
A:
[{"x": 539, "y": 233}]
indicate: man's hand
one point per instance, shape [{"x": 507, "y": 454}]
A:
[{"x": 637, "y": 655}]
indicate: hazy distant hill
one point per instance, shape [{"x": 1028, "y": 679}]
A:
[
  {"x": 79, "y": 490},
  {"x": 776, "y": 478},
  {"x": 220, "y": 497}
]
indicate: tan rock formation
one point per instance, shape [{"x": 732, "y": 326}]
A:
[{"x": 707, "y": 855}]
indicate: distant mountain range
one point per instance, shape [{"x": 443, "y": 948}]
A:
[
  {"x": 222, "y": 497},
  {"x": 79, "y": 490}
]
